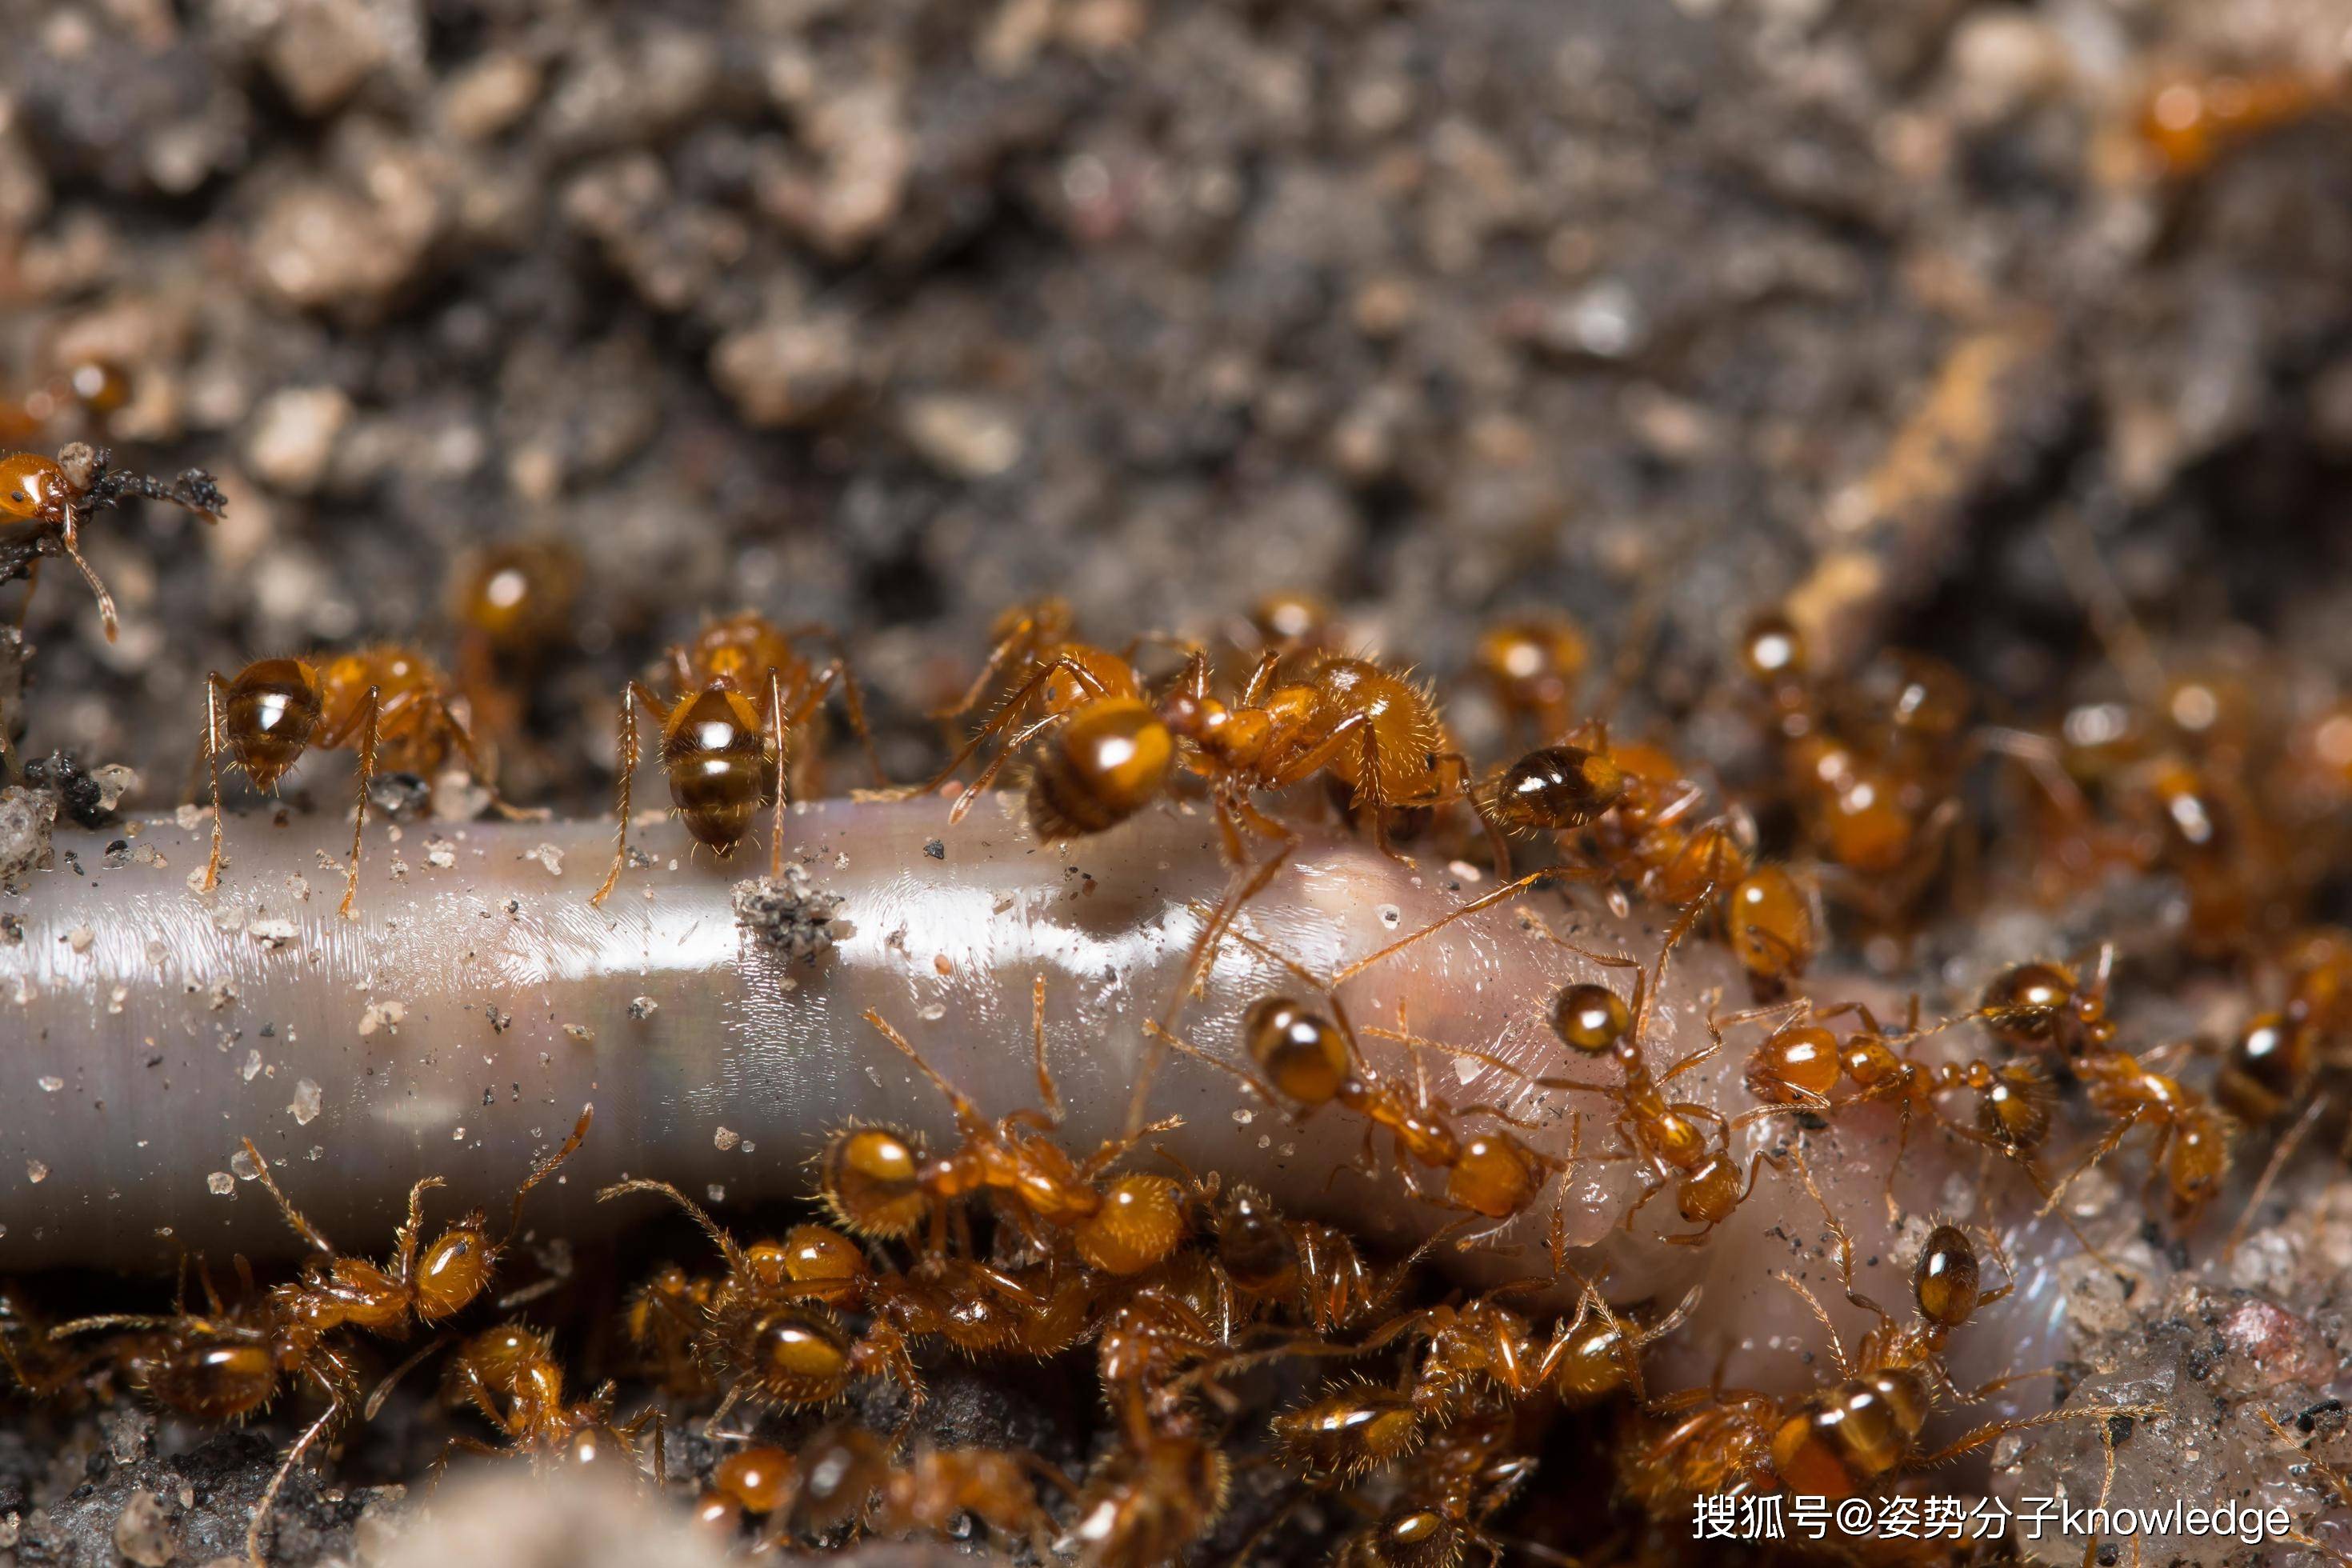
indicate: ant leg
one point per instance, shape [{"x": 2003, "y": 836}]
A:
[
  {"x": 853, "y": 703},
  {"x": 1476, "y": 906},
  {"x": 1196, "y": 963},
  {"x": 778, "y": 733},
  {"x": 269, "y": 1494},
  {"x": 303, "y": 1227},
  {"x": 1022, "y": 631},
  {"x": 1992, "y": 1432},
  {"x": 1004, "y": 753},
  {"x": 2100, "y": 1151},
  {"x": 1010, "y": 714},
  {"x": 1253, "y": 691},
  {"x": 631, "y": 695},
  {"x": 1837, "y": 1346},
  {"x": 369, "y": 719},
  {"x": 2277, "y": 1162},
  {"x": 214, "y": 686},
  {"x": 548, "y": 1167},
  {"x": 1247, "y": 1078},
  {"x": 1844, "y": 1239},
  {"x": 967, "y": 1114},
  {"x": 1048, "y": 1095},
  {"x": 71, "y": 540}
]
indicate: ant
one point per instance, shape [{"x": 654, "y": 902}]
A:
[
  {"x": 2044, "y": 1006},
  {"x": 974, "y": 1307},
  {"x": 878, "y": 1183},
  {"x": 1531, "y": 668},
  {"x": 1162, "y": 1488},
  {"x": 738, "y": 691},
  {"x": 1669, "y": 1136},
  {"x": 515, "y": 1363},
  {"x": 1110, "y": 756},
  {"x": 771, "y": 1343},
  {"x": 225, "y": 1364},
  {"x": 1302, "y": 1267},
  {"x": 1375, "y": 732},
  {"x": 389, "y": 704},
  {"x": 43, "y": 502},
  {"x": 1868, "y": 1423},
  {"x": 1468, "y": 1476},
  {"x": 1306, "y": 1059},
  {"x": 2190, "y": 1150},
  {"x": 1869, "y": 768},
  {"x": 1772, "y": 923}
]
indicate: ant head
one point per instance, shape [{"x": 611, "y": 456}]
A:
[{"x": 35, "y": 489}]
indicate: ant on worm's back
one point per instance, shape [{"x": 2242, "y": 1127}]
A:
[{"x": 738, "y": 691}]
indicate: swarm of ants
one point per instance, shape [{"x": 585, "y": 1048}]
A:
[{"x": 1273, "y": 1385}]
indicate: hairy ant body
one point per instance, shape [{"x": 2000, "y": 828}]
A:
[
  {"x": 389, "y": 704},
  {"x": 510, "y": 1375},
  {"x": 44, "y": 500},
  {"x": 771, "y": 1341},
  {"x": 739, "y": 692}
]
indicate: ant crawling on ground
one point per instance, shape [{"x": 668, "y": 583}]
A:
[
  {"x": 44, "y": 500},
  {"x": 390, "y": 704},
  {"x": 739, "y": 692},
  {"x": 228, "y": 1363}
]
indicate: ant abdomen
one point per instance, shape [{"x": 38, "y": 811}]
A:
[{"x": 271, "y": 711}]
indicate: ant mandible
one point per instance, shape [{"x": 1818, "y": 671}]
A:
[
  {"x": 738, "y": 691},
  {"x": 43, "y": 502},
  {"x": 389, "y": 704}
]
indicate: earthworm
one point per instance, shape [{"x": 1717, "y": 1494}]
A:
[{"x": 456, "y": 1027}]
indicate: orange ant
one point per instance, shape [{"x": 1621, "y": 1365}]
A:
[
  {"x": 1531, "y": 666},
  {"x": 773, "y": 1343},
  {"x": 2190, "y": 1150},
  {"x": 1306, "y": 1059},
  {"x": 2043, "y": 1005},
  {"x": 1162, "y": 1488},
  {"x": 225, "y": 1364},
  {"x": 515, "y": 1363},
  {"x": 878, "y": 1182},
  {"x": 974, "y": 1307},
  {"x": 1669, "y": 1136},
  {"x": 1469, "y": 1475},
  {"x": 739, "y": 692},
  {"x": 1303, "y": 1267},
  {"x": 1868, "y": 1423},
  {"x": 43, "y": 502},
  {"x": 388, "y": 703}
]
